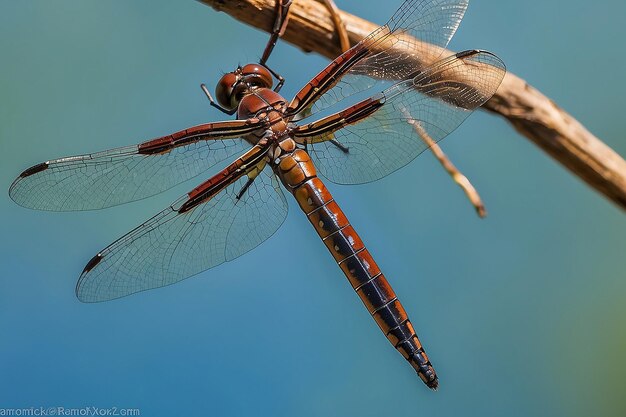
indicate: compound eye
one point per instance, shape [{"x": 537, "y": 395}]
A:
[
  {"x": 238, "y": 93},
  {"x": 258, "y": 75},
  {"x": 224, "y": 90}
]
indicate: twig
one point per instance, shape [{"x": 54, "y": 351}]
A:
[
  {"x": 530, "y": 112},
  {"x": 456, "y": 175}
]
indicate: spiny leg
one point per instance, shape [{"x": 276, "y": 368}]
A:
[
  {"x": 280, "y": 24},
  {"x": 280, "y": 78}
]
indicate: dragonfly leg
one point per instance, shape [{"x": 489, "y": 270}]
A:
[
  {"x": 280, "y": 24},
  {"x": 280, "y": 78},
  {"x": 214, "y": 103},
  {"x": 343, "y": 148},
  {"x": 282, "y": 11},
  {"x": 244, "y": 188},
  {"x": 251, "y": 177}
]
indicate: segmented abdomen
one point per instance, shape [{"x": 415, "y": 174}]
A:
[{"x": 298, "y": 174}]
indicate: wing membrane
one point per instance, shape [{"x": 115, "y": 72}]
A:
[
  {"x": 178, "y": 243},
  {"x": 418, "y": 32},
  {"x": 382, "y": 134},
  {"x": 117, "y": 176}
]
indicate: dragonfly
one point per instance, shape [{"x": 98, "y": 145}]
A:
[{"x": 355, "y": 122}]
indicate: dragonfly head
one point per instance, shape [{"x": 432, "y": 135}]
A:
[{"x": 233, "y": 86}]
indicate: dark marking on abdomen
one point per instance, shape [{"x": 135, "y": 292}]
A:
[{"x": 355, "y": 261}]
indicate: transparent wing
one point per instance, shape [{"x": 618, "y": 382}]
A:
[
  {"x": 130, "y": 173},
  {"x": 418, "y": 32},
  {"x": 172, "y": 246},
  {"x": 412, "y": 114}
]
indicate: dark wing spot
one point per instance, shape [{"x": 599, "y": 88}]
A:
[{"x": 34, "y": 169}]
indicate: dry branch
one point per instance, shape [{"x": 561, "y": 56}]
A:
[
  {"x": 457, "y": 176},
  {"x": 535, "y": 116}
]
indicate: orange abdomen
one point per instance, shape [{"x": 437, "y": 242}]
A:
[{"x": 298, "y": 174}]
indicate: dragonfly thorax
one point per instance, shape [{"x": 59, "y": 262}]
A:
[
  {"x": 282, "y": 148},
  {"x": 260, "y": 104}
]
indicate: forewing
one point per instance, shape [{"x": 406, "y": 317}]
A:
[
  {"x": 418, "y": 32},
  {"x": 415, "y": 113},
  {"x": 117, "y": 176},
  {"x": 172, "y": 246}
]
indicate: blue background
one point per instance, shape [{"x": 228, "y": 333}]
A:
[{"x": 522, "y": 313}]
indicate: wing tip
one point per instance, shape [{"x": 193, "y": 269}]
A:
[
  {"x": 25, "y": 174},
  {"x": 34, "y": 169},
  {"x": 468, "y": 53},
  {"x": 89, "y": 267},
  {"x": 91, "y": 264},
  {"x": 473, "y": 52}
]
